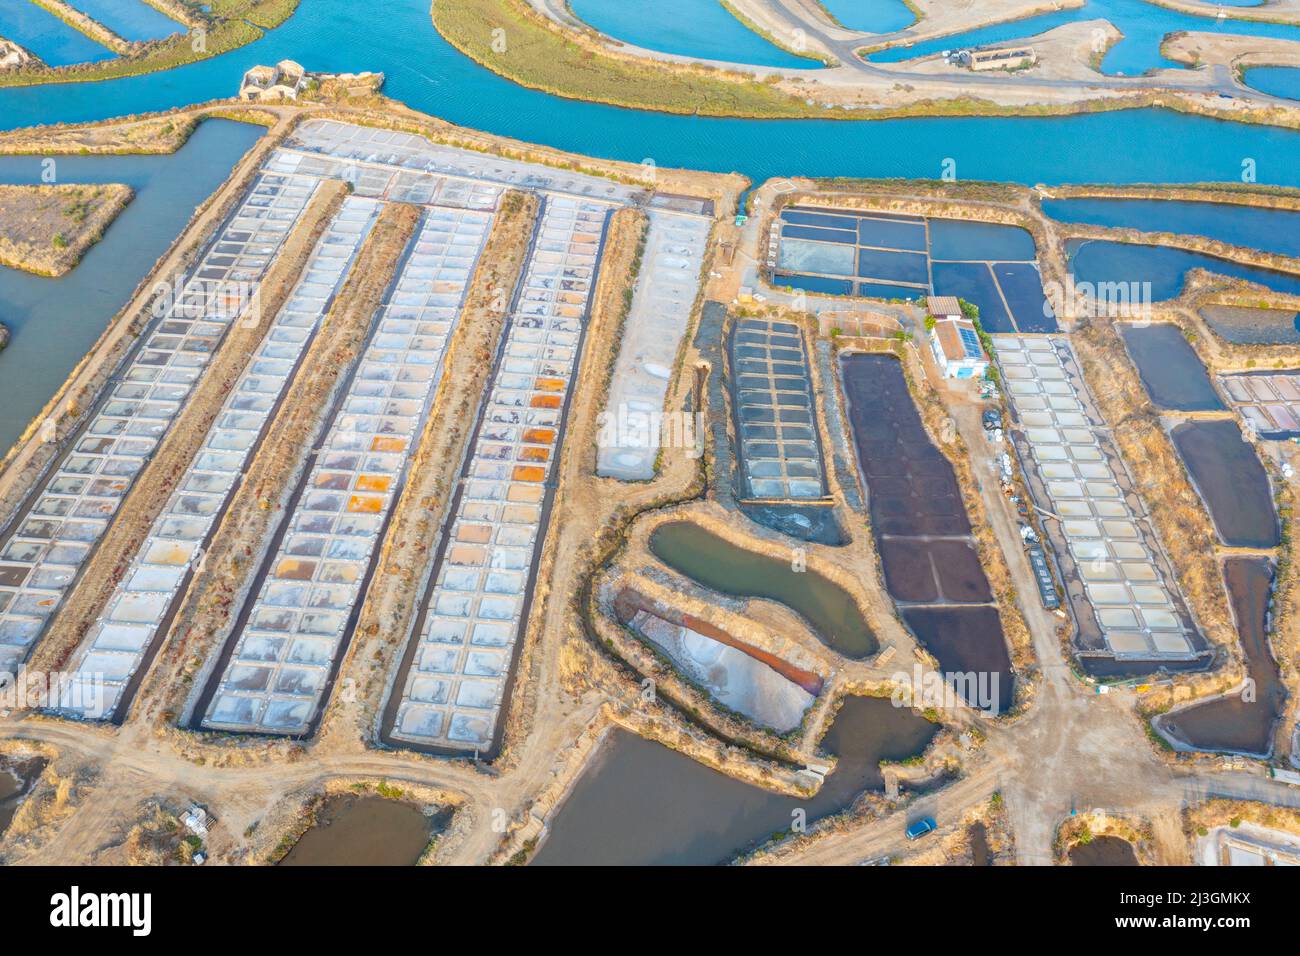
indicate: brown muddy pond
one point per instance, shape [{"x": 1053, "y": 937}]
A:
[
  {"x": 366, "y": 830},
  {"x": 980, "y": 854},
  {"x": 17, "y": 778},
  {"x": 640, "y": 803},
  {"x": 1233, "y": 723},
  {"x": 1231, "y": 481},
  {"x": 720, "y": 565},
  {"x": 1104, "y": 851}
]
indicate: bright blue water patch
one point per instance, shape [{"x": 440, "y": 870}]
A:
[
  {"x": 47, "y": 36},
  {"x": 871, "y": 16},
  {"x": 974, "y": 282},
  {"x": 1096, "y": 261},
  {"x": 1143, "y": 24},
  {"x": 881, "y": 290},
  {"x": 1022, "y": 287},
  {"x": 129, "y": 19},
  {"x": 55, "y": 321},
  {"x": 703, "y": 29},
  {"x": 1273, "y": 230},
  {"x": 1275, "y": 80},
  {"x": 427, "y": 74},
  {"x": 957, "y": 240},
  {"x": 813, "y": 284}
]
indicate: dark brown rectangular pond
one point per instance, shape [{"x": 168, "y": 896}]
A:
[
  {"x": 967, "y": 642},
  {"x": 640, "y": 803},
  {"x": 1231, "y": 481},
  {"x": 1242, "y": 722},
  {"x": 832, "y": 613},
  {"x": 921, "y": 528},
  {"x": 1169, "y": 367}
]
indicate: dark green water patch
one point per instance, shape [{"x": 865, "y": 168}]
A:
[{"x": 722, "y": 566}]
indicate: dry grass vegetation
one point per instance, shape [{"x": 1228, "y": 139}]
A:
[
  {"x": 155, "y": 136},
  {"x": 46, "y": 229}
]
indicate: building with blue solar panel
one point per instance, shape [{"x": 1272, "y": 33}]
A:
[{"x": 955, "y": 343}]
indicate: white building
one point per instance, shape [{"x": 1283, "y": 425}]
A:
[{"x": 954, "y": 341}]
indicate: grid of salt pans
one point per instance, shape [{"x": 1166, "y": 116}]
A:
[
  {"x": 366, "y": 148},
  {"x": 455, "y": 688},
  {"x": 661, "y": 310},
  {"x": 395, "y": 185},
  {"x": 773, "y": 395},
  {"x": 1124, "y": 585},
  {"x": 39, "y": 561},
  {"x": 117, "y": 643},
  {"x": 280, "y": 666},
  {"x": 1269, "y": 402}
]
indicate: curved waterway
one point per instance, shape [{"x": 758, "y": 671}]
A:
[
  {"x": 1281, "y": 81},
  {"x": 722, "y": 566},
  {"x": 703, "y": 29},
  {"x": 1273, "y": 230},
  {"x": 1102, "y": 262},
  {"x": 640, "y": 803},
  {"x": 54, "y": 322},
  {"x": 426, "y": 73}
]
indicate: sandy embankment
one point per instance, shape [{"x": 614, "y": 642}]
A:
[
  {"x": 1239, "y": 52},
  {"x": 1068, "y": 52}
]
